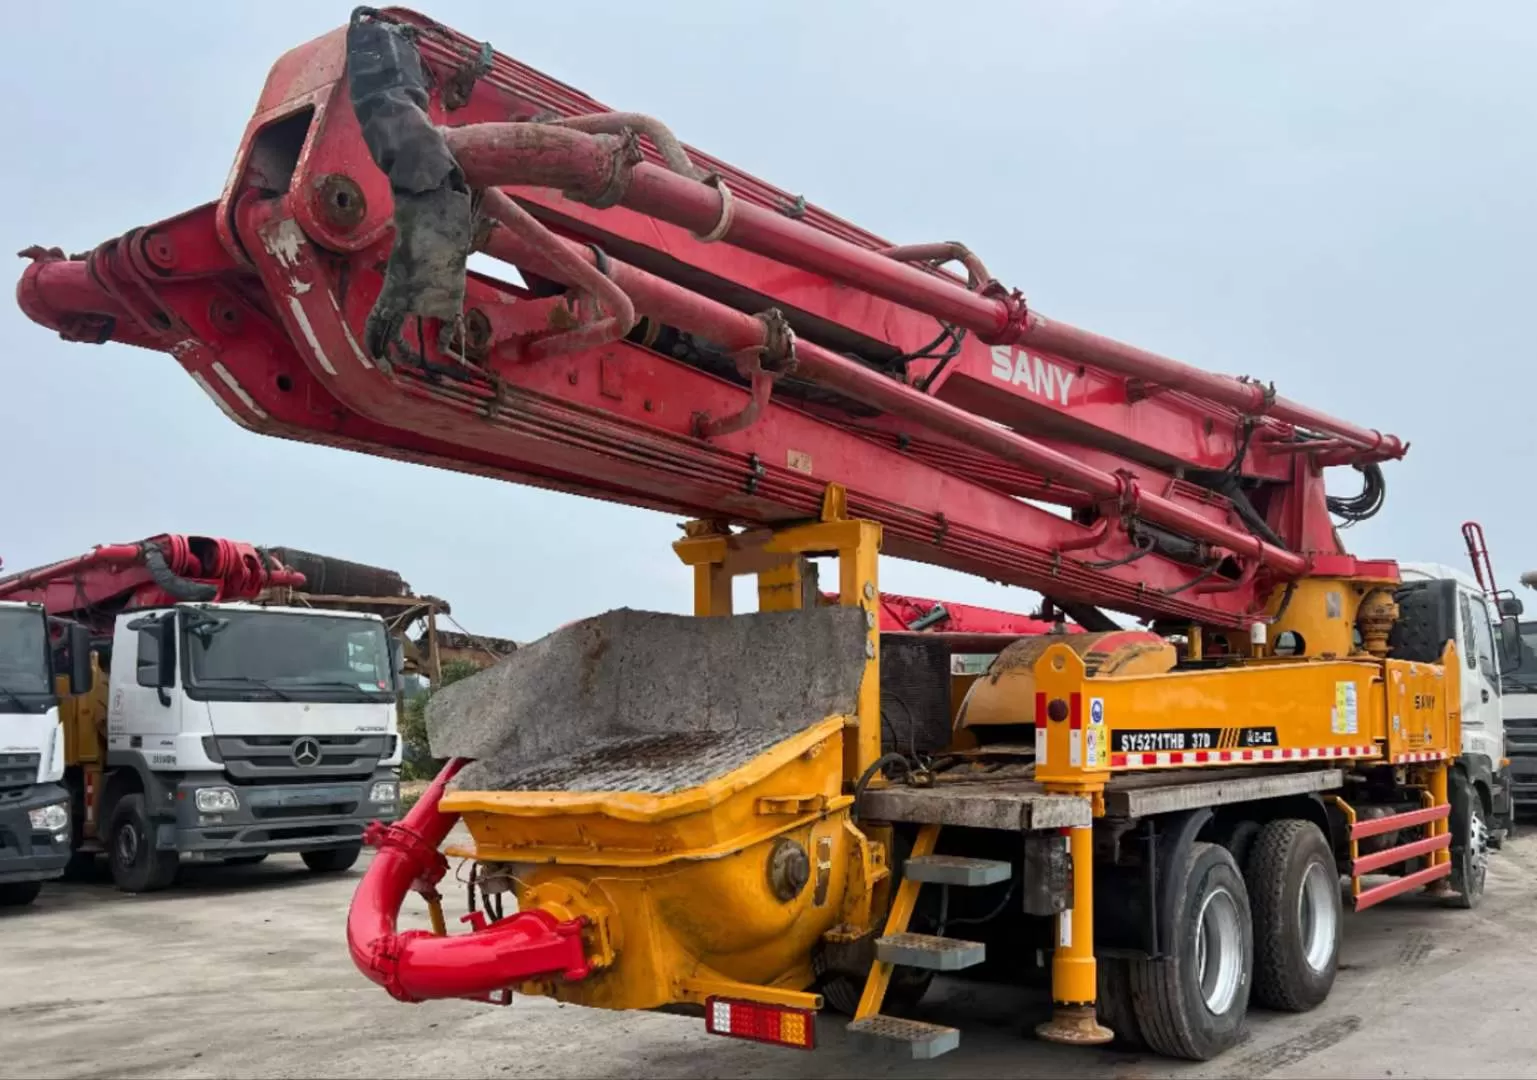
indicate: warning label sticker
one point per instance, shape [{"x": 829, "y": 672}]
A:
[
  {"x": 1094, "y": 734},
  {"x": 1344, "y": 720}
]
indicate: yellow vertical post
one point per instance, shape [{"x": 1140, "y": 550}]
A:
[
  {"x": 1436, "y": 784},
  {"x": 857, "y": 587},
  {"x": 785, "y": 587},
  {"x": 1074, "y": 975},
  {"x": 712, "y": 589}
]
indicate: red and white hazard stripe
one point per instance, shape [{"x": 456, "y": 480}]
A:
[
  {"x": 1420, "y": 755},
  {"x": 1166, "y": 758}
]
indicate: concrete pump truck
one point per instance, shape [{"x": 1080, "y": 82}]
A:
[
  {"x": 196, "y": 725},
  {"x": 758, "y": 817}
]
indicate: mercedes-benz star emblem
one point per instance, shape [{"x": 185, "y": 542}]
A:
[{"x": 305, "y": 752}]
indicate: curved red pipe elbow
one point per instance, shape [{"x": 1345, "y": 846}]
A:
[{"x": 419, "y": 966}]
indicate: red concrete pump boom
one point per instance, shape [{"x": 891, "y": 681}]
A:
[
  {"x": 691, "y": 339},
  {"x": 900, "y": 613},
  {"x": 93, "y": 588}
]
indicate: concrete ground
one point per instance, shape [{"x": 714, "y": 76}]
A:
[{"x": 243, "y": 972}]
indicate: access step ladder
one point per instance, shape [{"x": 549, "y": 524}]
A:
[{"x": 898, "y": 947}]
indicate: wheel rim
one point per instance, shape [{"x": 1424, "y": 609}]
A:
[
  {"x": 1478, "y": 848},
  {"x": 1219, "y": 950},
  {"x": 127, "y": 844},
  {"x": 1317, "y": 916}
]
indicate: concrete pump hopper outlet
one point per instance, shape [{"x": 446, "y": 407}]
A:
[{"x": 674, "y": 782}]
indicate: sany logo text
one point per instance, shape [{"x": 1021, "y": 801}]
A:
[{"x": 1036, "y": 374}]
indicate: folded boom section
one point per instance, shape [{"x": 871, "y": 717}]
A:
[{"x": 691, "y": 339}]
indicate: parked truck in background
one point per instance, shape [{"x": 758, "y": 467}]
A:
[
  {"x": 217, "y": 729},
  {"x": 34, "y": 805},
  {"x": 1518, "y": 683},
  {"x": 1487, "y": 643}
]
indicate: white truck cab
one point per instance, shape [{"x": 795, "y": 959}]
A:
[
  {"x": 34, "y": 806},
  {"x": 1518, "y": 686},
  {"x": 234, "y": 731},
  {"x": 1485, "y": 640}
]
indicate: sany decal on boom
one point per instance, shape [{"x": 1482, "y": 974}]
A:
[{"x": 1042, "y": 377}]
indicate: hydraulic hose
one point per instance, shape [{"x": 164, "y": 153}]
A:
[{"x": 180, "y": 589}]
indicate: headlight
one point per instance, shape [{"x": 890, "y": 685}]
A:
[
  {"x": 216, "y": 800},
  {"x": 54, "y": 818},
  {"x": 383, "y": 791}
]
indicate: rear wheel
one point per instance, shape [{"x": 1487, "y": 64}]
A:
[
  {"x": 1294, "y": 896},
  {"x": 19, "y": 893},
  {"x": 332, "y": 860},
  {"x": 1470, "y": 842},
  {"x": 1191, "y": 1003},
  {"x": 906, "y": 989},
  {"x": 136, "y": 866}
]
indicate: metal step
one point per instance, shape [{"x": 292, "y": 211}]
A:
[
  {"x": 956, "y": 870},
  {"x": 923, "y": 1040},
  {"x": 929, "y": 952}
]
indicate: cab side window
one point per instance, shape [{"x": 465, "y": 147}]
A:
[
  {"x": 1469, "y": 642},
  {"x": 149, "y": 658},
  {"x": 1483, "y": 635}
]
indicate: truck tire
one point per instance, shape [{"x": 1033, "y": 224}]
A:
[
  {"x": 19, "y": 893},
  {"x": 332, "y": 860},
  {"x": 1115, "y": 1007},
  {"x": 1470, "y": 842},
  {"x": 1294, "y": 898},
  {"x": 903, "y": 992},
  {"x": 1238, "y": 838},
  {"x": 1191, "y": 1003},
  {"x": 137, "y": 867}
]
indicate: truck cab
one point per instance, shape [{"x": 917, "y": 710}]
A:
[
  {"x": 1485, "y": 642},
  {"x": 234, "y": 731},
  {"x": 1518, "y": 687},
  {"x": 34, "y": 805}
]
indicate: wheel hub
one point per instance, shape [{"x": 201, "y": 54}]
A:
[
  {"x": 127, "y": 844},
  {"x": 1219, "y": 950},
  {"x": 1478, "y": 847},
  {"x": 1317, "y": 916}
]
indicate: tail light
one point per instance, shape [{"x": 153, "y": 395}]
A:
[{"x": 775, "y": 1024}]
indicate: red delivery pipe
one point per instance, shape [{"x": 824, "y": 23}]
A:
[
  {"x": 595, "y": 168},
  {"x": 736, "y": 330},
  {"x": 419, "y": 966}
]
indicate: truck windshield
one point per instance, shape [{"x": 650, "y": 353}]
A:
[
  {"x": 286, "y": 654},
  {"x": 24, "y": 667},
  {"x": 1521, "y": 678}
]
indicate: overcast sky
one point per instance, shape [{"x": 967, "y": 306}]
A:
[{"x": 1338, "y": 197}]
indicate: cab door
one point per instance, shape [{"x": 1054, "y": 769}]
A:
[{"x": 1483, "y": 730}]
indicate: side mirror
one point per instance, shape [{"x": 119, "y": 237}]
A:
[
  {"x": 165, "y": 675},
  {"x": 80, "y": 679},
  {"x": 397, "y": 665},
  {"x": 1511, "y": 605},
  {"x": 1510, "y": 640}
]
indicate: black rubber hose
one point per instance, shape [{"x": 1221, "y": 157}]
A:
[
  {"x": 869, "y": 774},
  {"x": 176, "y": 586}
]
